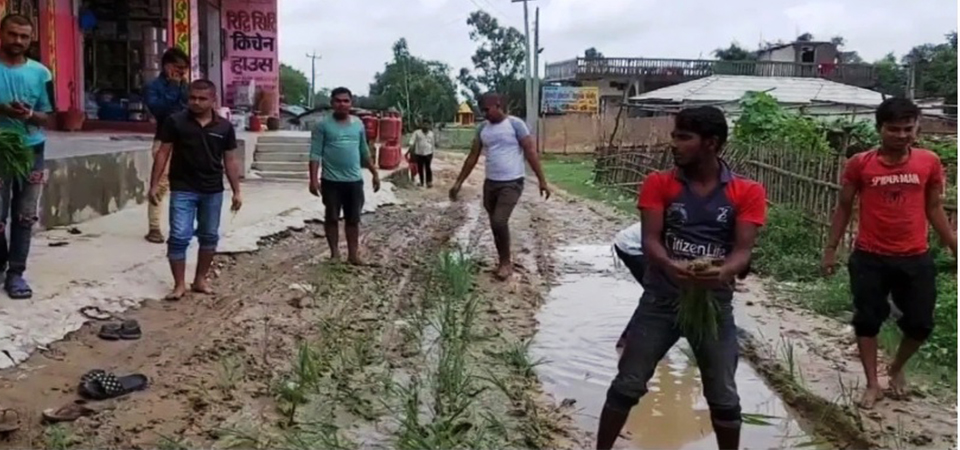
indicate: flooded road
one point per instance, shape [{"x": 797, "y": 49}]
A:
[{"x": 579, "y": 326}]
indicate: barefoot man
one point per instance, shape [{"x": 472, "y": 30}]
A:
[
  {"x": 199, "y": 146},
  {"x": 698, "y": 209},
  {"x": 508, "y": 143},
  {"x": 899, "y": 188},
  {"x": 338, "y": 150}
]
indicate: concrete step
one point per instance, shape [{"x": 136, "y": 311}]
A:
[
  {"x": 283, "y": 148},
  {"x": 283, "y": 139},
  {"x": 299, "y": 157},
  {"x": 279, "y": 166},
  {"x": 283, "y": 175}
]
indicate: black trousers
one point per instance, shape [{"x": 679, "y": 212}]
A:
[{"x": 424, "y": 171}]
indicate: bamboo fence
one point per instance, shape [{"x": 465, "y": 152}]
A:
[{"x": 805, "y": 181}]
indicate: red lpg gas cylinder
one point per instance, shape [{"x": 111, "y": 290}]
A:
[
  {"x": 371, "y": 124},
  {"x": 390, "y": 127},
  {"x": 390, "y": 156}
]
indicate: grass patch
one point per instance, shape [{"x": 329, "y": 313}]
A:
[
  {"x": 789, "y": 250},
  {"x": 574, "y": 174}
]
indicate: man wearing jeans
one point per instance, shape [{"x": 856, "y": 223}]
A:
[
  {"x": 508, "y": 146},
  {"x": 165, "y": 96},
  {"x": 26, "y": 88},
  {"x": 199, "y": 147},
  {"x": 698, "y": 209}
]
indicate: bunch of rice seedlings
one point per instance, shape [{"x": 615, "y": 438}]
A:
[
  {"x": 697, "y": 311},
  {"x": 16, "y": 158}
]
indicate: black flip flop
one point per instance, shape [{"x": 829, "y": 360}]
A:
[
  {"x": 109, "y": 332},
  {"x": 102, "y": 385},
  {"x": 68, "y": 413},
  {"x": 130, "y": 330}
]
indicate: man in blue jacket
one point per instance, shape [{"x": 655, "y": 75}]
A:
[{"x": 165, "y": 96}]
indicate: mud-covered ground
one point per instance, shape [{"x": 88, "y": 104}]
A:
[
  {"x": 296, "y": 352},
  {"x": 230, "y": 369}
]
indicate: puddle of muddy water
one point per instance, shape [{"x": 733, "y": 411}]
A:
[{"x": 579, "y": 326}]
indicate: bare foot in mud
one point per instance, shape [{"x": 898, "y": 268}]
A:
[
  {"x": 355, "y": 261},
  {"x": 201, "y": 287},
  {"x": 871, "y": 395},
  {"x": 504, "y": 271},
  {"x": 177, "y": 293},
  {"x": 898, "y": 385}
]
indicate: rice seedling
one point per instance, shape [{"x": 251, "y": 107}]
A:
[
  {"x": 16, "y": 158},
  {"x": 57, "y": 437},
  {"x": 697, "y": 310}
]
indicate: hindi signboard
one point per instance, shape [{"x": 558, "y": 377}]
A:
[
  {"x": 570, "y": 99},
  {"x": 250, "y": 28}
]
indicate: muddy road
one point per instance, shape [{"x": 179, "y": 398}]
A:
[{"x": 420, "y": 348}]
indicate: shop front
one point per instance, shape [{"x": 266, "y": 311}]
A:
[{"x": 103, "y": 52}]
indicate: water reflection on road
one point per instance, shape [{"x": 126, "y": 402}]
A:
[{"x": 579, "y": 327}]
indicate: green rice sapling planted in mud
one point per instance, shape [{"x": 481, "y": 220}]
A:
[
  {"x": 16, "y": 158},
  {"x": 697, "y": 309}
]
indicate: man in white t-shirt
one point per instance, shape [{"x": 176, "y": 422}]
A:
[
  {"x": 422, "y": 144},
  {"x": 628, "y": 245},
  {"x": 509, "y": 147}
]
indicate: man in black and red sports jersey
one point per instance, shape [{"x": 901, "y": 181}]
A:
[{"x": 698, "y": 209}]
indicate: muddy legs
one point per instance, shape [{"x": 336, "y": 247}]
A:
[
  {"x": 204, "y": 261},
  {"x": 611, "y": 422},
  {"x": 501, "y": 238},
  {"x": 868, "y": 357},
  {"x": 178, "y": 268},
  {"x": 352, "y": 231},
  {"x": 898, "y": 380},
  {"x": 332, "y": 230}
]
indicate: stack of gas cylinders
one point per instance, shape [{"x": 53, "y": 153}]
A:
[{"x": 391, "y": 128}]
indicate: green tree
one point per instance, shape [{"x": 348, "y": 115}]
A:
[
  {"x": 592, "y": 53},
  {"x": 734, "y": 53},
  {"x": 419, "y": 88},
  {"x": 294, "y": 87},
  {"x": 498, "y": 63},
  {"x": 935, "y": 68},
  {"x": 891, "y": 78}
]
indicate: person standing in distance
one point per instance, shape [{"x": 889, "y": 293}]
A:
[
  {"x": 422, "y": 144},
  {"x": 165, "y": 96},
  {"x": 26, "y": 102},
  {"x": 199, "y": 146},
  {"x": 508, "y": 143},
  {"x": 698, "y": 209},
  {"x": 900, "y": 190},
  {"x": 338, "y": 151}
]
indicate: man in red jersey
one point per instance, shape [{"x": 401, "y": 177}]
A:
[
  {"x": 900, "y": 188},
  {"x": 698, "y": 209}
]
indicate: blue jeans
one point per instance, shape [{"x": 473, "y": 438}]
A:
[
  {"x": 19, "y": 201},
  {"x": 185, "y": 209},
  {"x": 653, "y": 330}
]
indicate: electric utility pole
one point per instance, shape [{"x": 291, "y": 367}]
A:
[
  {"x": 536, "y": 72},
  {"x": 528, "y": 82},
  {"x": 313, "y": 78}
]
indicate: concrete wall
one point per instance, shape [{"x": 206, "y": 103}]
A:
[
  {"x": 581, "y": 133},
  {"x": 83, "y": 187}
]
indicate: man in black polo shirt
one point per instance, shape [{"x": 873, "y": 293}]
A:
[{"x": 200, "y": 146}]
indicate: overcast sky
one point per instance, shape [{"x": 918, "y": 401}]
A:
[{"x": 354, "y": 37}]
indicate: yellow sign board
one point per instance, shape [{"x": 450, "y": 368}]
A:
[{"x": 570, "y": 99}]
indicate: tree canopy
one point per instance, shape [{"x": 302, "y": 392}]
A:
[
  {"x": 592, "y": 53},
  {"x": 735, "y": 53},
  {"x": 419, "y": 88},
  {"x": 294, "y": 86},
  {"x": 498, "y": 62}
]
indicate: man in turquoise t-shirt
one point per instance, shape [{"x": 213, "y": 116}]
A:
[
  {"x": 338, "y": 149},
  {"x": 25, "y": 105}
]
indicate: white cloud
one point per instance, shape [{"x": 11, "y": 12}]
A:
[{"x": 354, "y": 37}]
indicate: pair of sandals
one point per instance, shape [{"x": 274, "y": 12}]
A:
[
  {"x": 128, "y": 330},
  {"x": 95, "y": 385}
]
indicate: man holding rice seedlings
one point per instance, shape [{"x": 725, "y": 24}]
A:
[
  {"x": 26, "y": 88},
  {"x": 199, "y": 146},
  {"x": 509, "y": 147},
  {"x": 165, "y": 96},
  {"x": 700, "y": 222},
  {"x": 900, "y": 190}
]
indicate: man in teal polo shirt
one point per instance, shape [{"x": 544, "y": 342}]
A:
[
  {"x": 26, "y": 88},
  {"x": 338, "y": 150}
]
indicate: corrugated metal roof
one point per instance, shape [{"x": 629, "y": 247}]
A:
[{"x": 727, "y": 88}]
